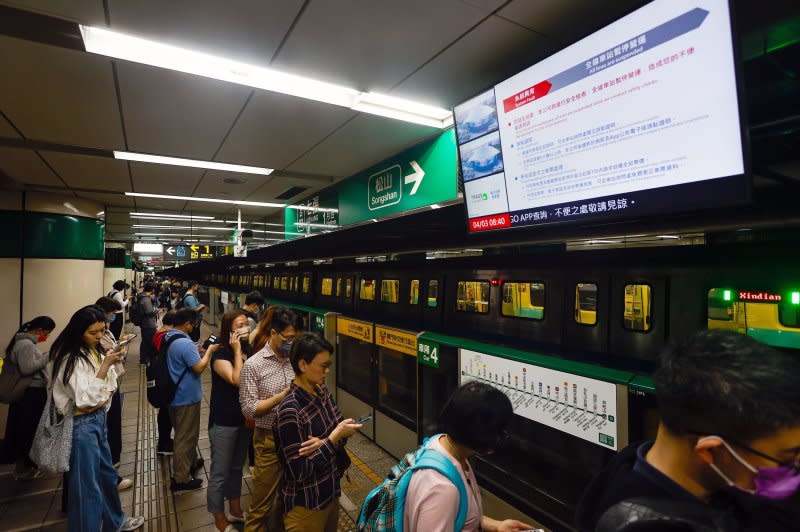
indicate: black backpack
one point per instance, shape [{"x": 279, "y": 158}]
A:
[
  {"x": 182, "y": 301},
  {"x": 136, "y": 311},
  {"x": 160, "y": 388}
]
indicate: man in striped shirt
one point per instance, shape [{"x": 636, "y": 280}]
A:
[{"x": 263, "y": 383}]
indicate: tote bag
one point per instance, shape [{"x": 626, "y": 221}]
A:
[{"x": 52, "y": 443}]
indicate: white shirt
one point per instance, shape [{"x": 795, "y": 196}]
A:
[
  {"x": 119, "y": 298},
  {"x": 432, "y": 500},
  {"x": 84, "y": 388}
]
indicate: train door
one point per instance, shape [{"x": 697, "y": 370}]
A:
[
  {"x": 586, "y": 311},
  {"x": 638, "y": 315}
]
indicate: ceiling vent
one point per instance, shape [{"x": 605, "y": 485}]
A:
[
  {"x": 235, "y": 180},
  {"x": 290, "y": 193}
]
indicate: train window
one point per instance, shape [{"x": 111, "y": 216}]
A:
[
  {"x": 523, "y": 300},
  {"x": 306, "y": 284},
  {"x": 390, "y": 291},
  {"x": 327, "y": 286},
  {"x": 473, "y": 296},
  {"x": 721, "y": 305},
  {"x": 586, "y": 303},
  {"x": 367, "y": 290},
  {"x": 789, "y": 310},
  {"x": 414, "y": 297},
  {"x": 296, "y": 283},
  {"x": 638, "y": 307},
  {"x": 433, "y": 293},
  {"x": 339, "y": 287},
  {"x": 348, "y": 288}
]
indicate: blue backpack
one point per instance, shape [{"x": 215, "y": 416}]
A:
[{"x": 383, "y": 508}]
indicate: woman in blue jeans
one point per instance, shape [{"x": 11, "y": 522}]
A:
[
  {"x": 84, "y": 380},
  {"x": 226, "y": 430}
]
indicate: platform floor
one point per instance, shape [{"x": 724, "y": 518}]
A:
[{"x": 36, "y": 505}]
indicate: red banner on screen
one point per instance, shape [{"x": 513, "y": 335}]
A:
[
  {"x": 488, "y": 223},
  {"x": 527, "y": 96}
]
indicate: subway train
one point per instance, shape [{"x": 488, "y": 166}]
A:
[{"x": 601, "y": 314}]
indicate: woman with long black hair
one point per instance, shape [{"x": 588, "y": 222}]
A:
[
  {"x": 84, "y": 381},
  {"x": 24, "y": 414}
]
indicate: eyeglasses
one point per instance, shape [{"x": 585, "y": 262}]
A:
[{"x": 794, "y": 462}]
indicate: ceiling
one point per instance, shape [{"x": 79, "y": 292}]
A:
[
  {"x": 62, "y": 110},
  {"x": 81, "y": 105}
]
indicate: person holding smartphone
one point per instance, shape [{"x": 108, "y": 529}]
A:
[
  {"x": 227, "y": 432},
  {"x": 311, "y": 433},
  {"x": 84, "y": 380}
]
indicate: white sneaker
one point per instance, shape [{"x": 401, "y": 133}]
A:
[
  {"x": 124, "y": 484},
  {"x": 131, "y": 523}
]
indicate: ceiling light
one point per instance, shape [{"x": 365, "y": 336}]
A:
[
  {"x": 602, "y": 241},
  {"x": 141, "y": 247},
  {"x": 181, "y": 227},
  {"x": 436, "y": 206},
  {"x": 166, "y": 215},
  {"x": 101, "y": 213},
  {"x": 672, "y": 237},
  {"x": 129, "y": 48},
  {"x": 314, "y": 209},
  {"x": 304, "y": 224},
  {"x": 164, "y": 236},
  {"x": 206, "y": 200},
  {"x": 176, "y": 161},
  {"x": 254, "y": 223}
]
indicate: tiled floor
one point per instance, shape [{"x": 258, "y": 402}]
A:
[{"x": 36, "y": 505}]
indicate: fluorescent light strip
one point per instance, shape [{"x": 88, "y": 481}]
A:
[
  {"x": 206, "y": 200},
  {"x": 303, "y": 224},
  {"x": 167, "y": 215},
  {"x": 143, "y": 226},
  {"x": 163, "y": 236},
  {"x": 129, "y": 48},
  {"x": 193, "y": 163},
  {"x": 202, "y": 219},
  {"x": 312, "y": 209}
]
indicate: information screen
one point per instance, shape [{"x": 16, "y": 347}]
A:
[{"x": 638, "y": 118}]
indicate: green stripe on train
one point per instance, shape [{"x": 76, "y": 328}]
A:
[{"x": 776, "y": 338}]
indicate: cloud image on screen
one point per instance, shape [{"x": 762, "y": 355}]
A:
[
  {"x": 476, "y": 117},
  {"x": 481, "y": 157}
]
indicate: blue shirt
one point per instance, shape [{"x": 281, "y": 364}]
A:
[
  {"x": 190, "y": 301},
  {"x": 181, "y": 356}
]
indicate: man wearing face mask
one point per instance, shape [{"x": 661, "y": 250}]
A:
[
  {"x": 252, "y": 307},
  {"x": 263, "y": 382},
  {"x": 727, "y": 448}
]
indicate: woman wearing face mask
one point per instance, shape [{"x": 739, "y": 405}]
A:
[
  {"x": 84, "y": 380},
  {"x": 226, "y": 429},
  {"x": 24, "y": 414},
  {"x": 474, "y": 420},
  {"x": 263, "y": 383}
]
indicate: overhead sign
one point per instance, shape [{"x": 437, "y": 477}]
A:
[
  {"x": 420, "y": 176},
  {"x": 360, "y": 330},
  {"x": 190, "y": 252},
  {"x": 396, "y": 340},
  {"x": 305, "y": 219}
]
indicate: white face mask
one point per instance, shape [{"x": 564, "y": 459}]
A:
[{"x": 243, "y": 330}]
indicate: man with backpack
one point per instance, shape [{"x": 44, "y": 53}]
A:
[
  {"x": 190, "y": 301},
  {"x": 143, "y": 314},
  {"x": 185, "y": 370}
]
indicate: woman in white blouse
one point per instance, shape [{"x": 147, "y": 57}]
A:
[{"x": 84, "y": 379}]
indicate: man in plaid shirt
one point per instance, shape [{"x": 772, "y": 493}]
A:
[{"x": 263, "y": 383}]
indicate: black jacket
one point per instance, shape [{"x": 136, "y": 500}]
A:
[{"x": 661, "y": 504}]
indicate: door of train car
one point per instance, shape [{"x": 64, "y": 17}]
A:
[
  {"x": 638, "y": 320},
  {"x": 530, "y": 307},
  {"x": 472, "y": 302},
  {"x": 586, "y": 311},
  {"x": 367, "y": 291}
]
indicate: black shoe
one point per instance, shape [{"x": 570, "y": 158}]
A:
[
  {"x": 197, "y": 465},
  {"x": 164, "y": 448},
  {"x": 194, "y": 484}
]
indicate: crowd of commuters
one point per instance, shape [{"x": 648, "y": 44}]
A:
[{"x": 734, "y": 470}]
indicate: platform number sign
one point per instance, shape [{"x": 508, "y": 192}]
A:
[{"x": 428, "y": 353}]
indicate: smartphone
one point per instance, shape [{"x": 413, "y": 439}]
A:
[
  {"x": 126, "y": 341},
  {"x": 210, "y": 341},
  {"x": 363, "y": 419}
]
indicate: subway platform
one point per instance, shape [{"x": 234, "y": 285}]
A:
[{"x": 36, "y": 504}]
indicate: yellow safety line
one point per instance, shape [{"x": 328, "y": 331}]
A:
[{"x": 368, "y": 472}]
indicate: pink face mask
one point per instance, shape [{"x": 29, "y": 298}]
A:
[{"x": 776, "y": 483}]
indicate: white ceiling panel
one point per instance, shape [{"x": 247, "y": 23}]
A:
[
  {"x": 490, "y": 53},
  {"x": 559, "y": 19},
  {"x": 171, "y": 113},
  {"x": 26, "y": 167},
  {"x": 59, "y": 95},
  {"x": 373, "y": 45},
  {"x": 83, "y": 171},
  {"x": 214, "y": 183},
  {"x": 364, "y": 141},
  {"x": 164, "y": 179},
  {"x": 84, "y": 11},
  {"x": 276, "y": 129},
  {"x": 240, "y": 29}
]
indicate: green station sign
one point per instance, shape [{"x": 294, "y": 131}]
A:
[
  {"x": 420, "y": 176},
  {"x": 318, "y": 322},
  {"x": 428, "y": 353}
]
